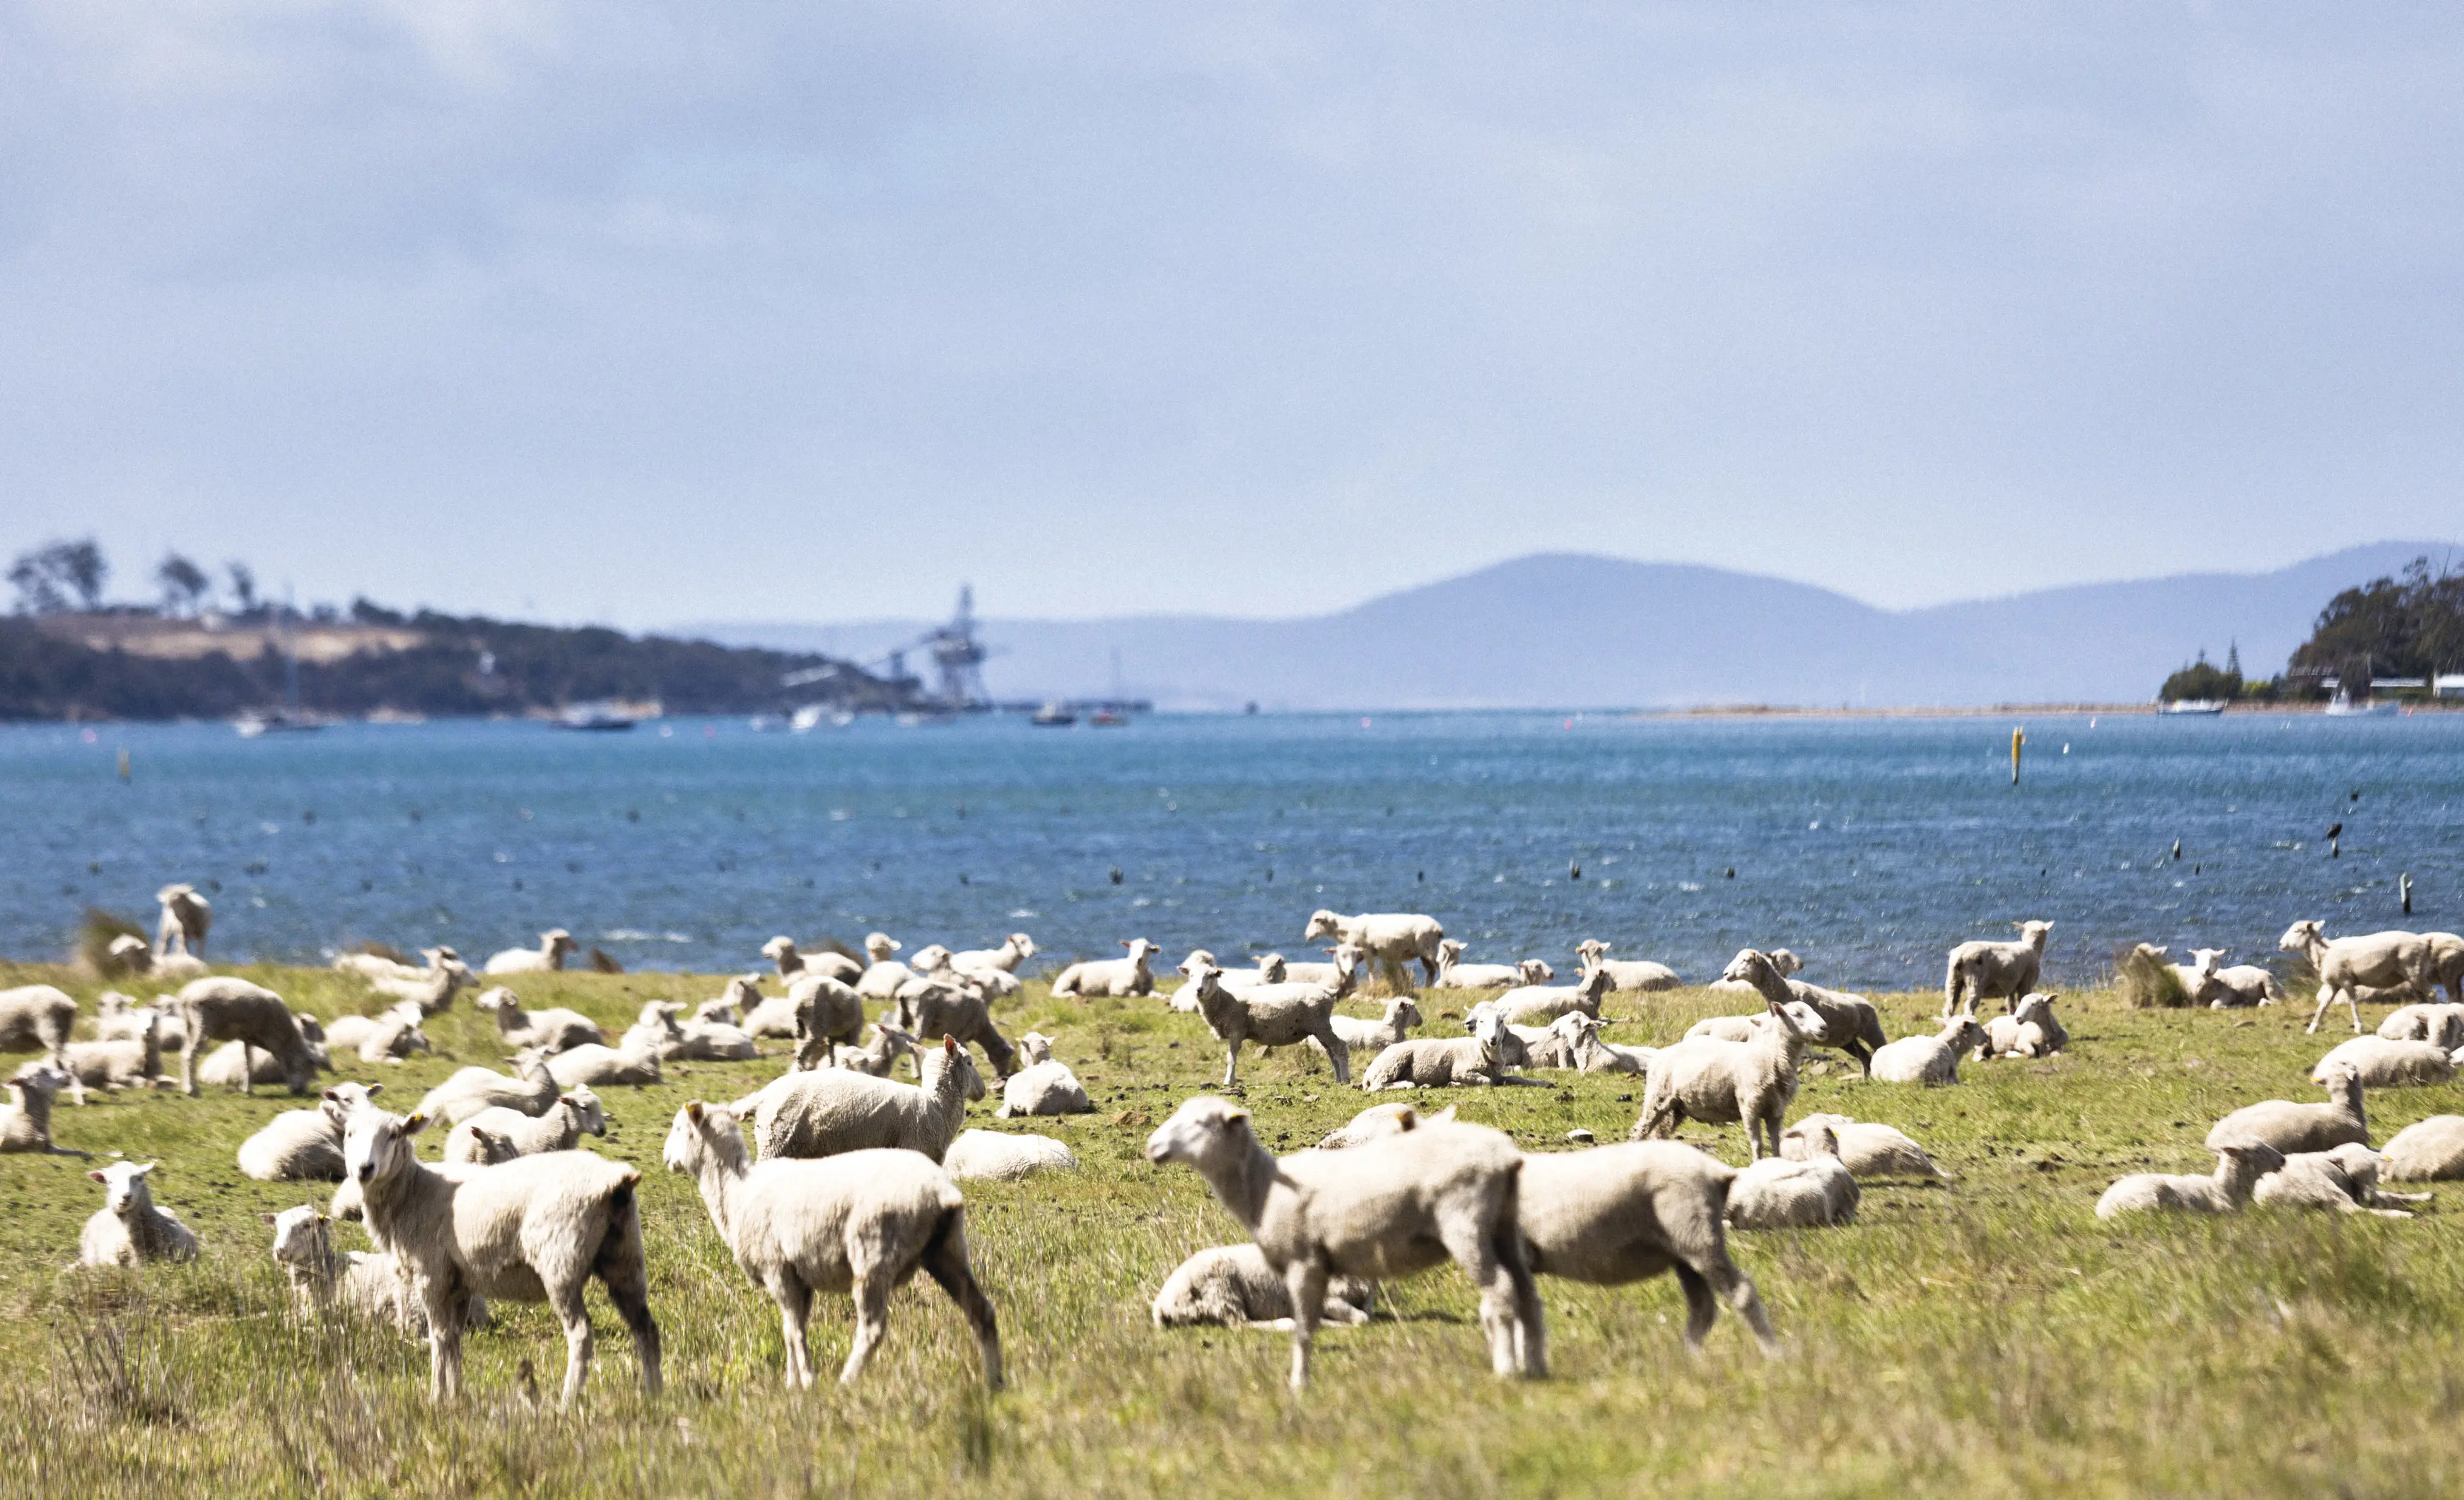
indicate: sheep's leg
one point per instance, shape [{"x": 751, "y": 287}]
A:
[
  {"x": 1474, "y": 1248},
  {"x": 1748, "y": 1303},
  {"x": 2355, "y": 1009},
  {"x": 1530, "y": 1325},
  {"x": 189, "y": 1059},
  {"x": 871, "y": 1321},
  {"x": 564, "y": 1299},
  {"x": 443, "y": 1340},
  {"x": 1231, "y": 1059},
  {"x": 247, "y": 1068},
  {"x": 1305, "y": 1280},
  {"x": 628, "y": 1282},
  {"x": 1337, "y": 1052},
  {"x": 795, "y": 1301},
  {"x": 1702, "y": 1308},
  {"x": 2326, "y": 998},
  {"x": 945, "y": 1260}
]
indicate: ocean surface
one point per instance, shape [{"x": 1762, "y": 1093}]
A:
[{"x": 1867, "y": 845}]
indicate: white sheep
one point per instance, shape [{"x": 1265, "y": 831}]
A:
[
  {"x": 794, "y": 964},
  {"x": 534, "y": 1230},
  {"x": 376, "y": 966},
  {"x": 432, "y": 991},
  {"x": 1812, "y": 1191},
  {"x": 2342, "y": 1181},
  {"x": 187, "y": 918},
  {"x": 1545, "y": 1002},
  {"x": 555, "y": 946},
  {"x": 1275, "y": 1015},
  {"x": 1455, "y": 974},
  {"x": 2447, "y": 962},
  {"x": 1272, "y": 969},
  {"x": 2426, "y": 1151},
  {"x": 1371, "y": 1037},
  {"x": 2383, "y": 1064},
  {"x": 130, "y": 1228},
  {"x": 863, "y": 1223},
  {"x": 129, "y": 955},
  {"x": 120, "y": 1018},
  {"x": 876, "y": 1057},
  {"x": 136, "y": 1063},
  {"x": 532, "y": 1090},
  {"x": 368, "y": 1286},
  {"x": 1782, "y": 962},
  {"x": 1393, "y": 941},
  {"x": 554, "y": 1031},
  {"x": 632, "y": 1062},
  {"x": 236, "y": 1064},
  {"x": 2437, "y": 1022},
  {"x": 2239, "y": 1165},
  {"x": 2197, "y": 977},
  {"x": 305, "y": 1144},
  {"x": 1850, "y": 1022},
  {"x": 1931, "y": 1060},
  {"x": 1014, "y": 950},
  {"x": 2398, "y": 961},
  {"x": 1982, "y": 970},
  {"x": 700, "y": 1041},
  {"x": 1589, "y": 1053},
  {"x": 1720, "y": 1083},
  {"x": 499, "y": 1134},
  {"x": 1000, "y": 1157},
  {"x": 26, "y": 1120},
  {"x": 882, "y": 976},
  {"x": 1119, "y": 977},
  {"x": 39, "y": 1018},
  {"x": 829, "y": 1111},
  {"x": 389, "y": 1038},
  {"x": 2030, "y": 1031},
  {"x": 1376, "y": 1122},
  {"x": 1866, "y": 1149},
  {"x": 2240, "y": 985},
  {"x": 1627, "y": 975},
  {"x": 2292, "y": 1128},
  {"x": 1231, "y": 1286},
  {"x": 929, "y": 1010},
  {"x": 233, "y": 1010},
  {"x": 1429, "y": 1062},
  {"x": 1043, "y": 1086},
  {"x": 1386, "y": 1209}
]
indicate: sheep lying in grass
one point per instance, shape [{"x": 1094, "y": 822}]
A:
[
  {"x": 129, "y": 1228},
  {"x": 432, "y": 991},
  {"x": 883, "y": 975},
  {"x": 633, "y": 1062},
  {"x": 1474, "y": 1061},
  {"x": 305, "y": 1144},
  {"x": 2398, "y": 961},
  {"x": 120, "y": 1018},
  {"x": 532, "y": 1090},
  {"x": 2238, "y": 985},
  {"x": 39, "y": 1018},
  {"x": 552, "y": 1030},
  {"x": 1386, "y": 1209},
  {"x": 233, "y": 1010},
  {"x": 26, "y": 1120},
  {"x": 1369, "y": 1038},
  {"x": 732, "y": 1004},
  {"x": 2342, "y": 1181},
  {"x": 500, "y": 1134},
  {"x": 2292, "y": 1128},
  {"x": 1393, "y": 941},
  {"x": 1119, "y": 977},
  {"x": 363, "y": 1285},
  {"x": 369, "y": 966},
  {"x": 1000, "y": 1157},
  {"x": 1275, "y": 1015},
  {"x": 2239, "y": 1165},
  {"x": 555, "y": 946},
  {"x": 1720, "y": 1083},
  {"x": 133, "y": 958},
  {"x": 389, "y": 1038},
  {"x": 1984, "y": 970},
  {"x": 878, "y": 1058},
  {"x": 1376, "y": 1122},
  {"x": 236, "y": 1064},
  {"x": 1928, "y": 1059},
  {"x": 2383, "y": 1064},
  {"x": 1590, "y": 1053},
  {"x": 1272, "y": 969},
  {"x": 1455, "y": 974},
  {"x": 136, "y": 1063},
  {"x": 1627, "y": 975},
  {"x": 1545, "y": 1002},
  {"x": 2441, "y": 1025},
  {"x": 533, "y": 1229},
  {"x": 1043, "y": 1086},
  {"x": 829, "y": 1111},
  {"x": 2426, "y": 1151},
  {"x": 1231, "y": 1286},
  {"x": 1015, "y": 950},
  {"x": 794, "y": 964},
  {"x": 1865, "y": 1149},
  {"x": 1812, "y": 1192},
  {"x": 699, "y": 1041},
  {"x": 2029, "y": 1031}
]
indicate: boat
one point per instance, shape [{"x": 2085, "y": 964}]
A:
[
  {"x": 592, "y": 718},
  {"x": 258, "y": 723},
  {"x": 1053, "y": 716},
  {"x": 2190, "y": 705},
  {"x": 2343, "y": 707}
]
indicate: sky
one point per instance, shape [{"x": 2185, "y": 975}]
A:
[{"x": 644, "y": 314}]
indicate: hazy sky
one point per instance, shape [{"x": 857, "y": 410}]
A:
[{"x": 677, "y": 312}]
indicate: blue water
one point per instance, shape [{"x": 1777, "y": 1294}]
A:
[{"x": 1866, "y": 844}]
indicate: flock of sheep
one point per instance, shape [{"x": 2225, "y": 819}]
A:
[{"x": 835, "y": 1177}]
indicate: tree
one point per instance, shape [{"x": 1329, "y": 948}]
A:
[
  {"x": 2202, "y": 681},
  {"x": 47, "y": 577},
  {"x": 183, "y": 582},
  {"x": 2411, "y": 627},
  {"x": 243, "y": 586}
]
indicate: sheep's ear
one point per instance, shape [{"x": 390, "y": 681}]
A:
[
  {"x": 949, "y": 1046},
  {"x": 321, "y": 1219},
  {"x": 414, "y": 1123},
  {"x": 147, "y": 1168},
  {"x": 693, "y": 1109},
  {"x": 267, "y": 1217},
  {"x": 1232, "y": 1115},
  {"x": 98, "y": 1177},
  {"x": 1125, "y": 943},
  {"x": 375, "y": 1089}
]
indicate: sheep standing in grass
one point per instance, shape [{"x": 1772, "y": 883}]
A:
[
  {"x": 233, "y": 1010},
  {"x": 1455, "y": 974},
  {"x": 1043, "y": 1086},
  {"x": 1393, "y": 941},
  {"x": 1384, "y": 1209},
  {"x": 1231, "y": 1286},
  {"x": 532, "y": 1090},
  {"x": 794, "y": 965},
  {"x": 829, "y": 1111},
  {"x": 862, "y": 1223},
  {"x": 1119, "y": 977},
  {"x": 500, "y": 1134},
  {"x": 1812, "y": 1192},
  {"x": 1275, "y": 1015},
  {"x": 26, "y": 1120},
  {"x": 305, "y": 1144},
  {"x": 130, "y": 1228},
  {"x": 1864, "y": 1149},
  {"x": 368, "y": 1286},
  {"x": 533, "y": 1229},
  {"x": 555, "y": 946},
  {"x": 2239, "y": 1165},
  {"x": 552, "y": 1030},
  {"x": 2029, "y": 1031},
  {"x": 1721, "y": 1084},
  {"x": 1850, "y": 1022},
  {"x": 2383, "y": 1064},
  {"x": 39, "y": 1017},
  {"x": 1272, "y": 969},
  {"x": 1928, "y": 1059},
  {"x": 1001, "y": 1157},
  {"x": 2442, "y": 1025},
  {"x": 2292, "y": 1128},
  {"x": 1545, "y": 1002},
  {"x": 1625, "y": 974},
  {"x": 934, "y": 1009},
  {"x": 2342, "y": 1181},
  {"x": 187, "y": 918},
  {"x": 2397, "y": 961},
  {"x": 1983, "y": 970},
  {"x": 2426, "y": 1151}
]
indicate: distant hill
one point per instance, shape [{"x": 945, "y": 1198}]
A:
[{"x": 1563, "y": 630}]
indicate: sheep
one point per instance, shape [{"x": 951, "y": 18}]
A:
[
  {"x": 2384, "y": 1064},
  {"x": 1120, "y": 977},
  {"x": 2197, "y": 977},
  {"x": 938, "y": 1010},
  {"x": 817, "y": 1006},
  {"x": 1231, "y": 1286},
  {"x": 224, "y": 1009},
  {"x": 1783, "y": 962},
  {"x": 764, "y": 1016},
  {"x": 1616, "y": 1214},
  {"x": 532, "y": 1090},
  {"x": 1984, "y": 970},
  {"x": 1386, "y": 1209},
  {"x": 120, "y": 1018},
  {"x": 238, "y": 1065},
  {"x": 939, "y": 964},
  {"x": 1547, "y": 1001},
  {"x": 1275, "y": 1015},
  {"x": 1930, "y": 1061},
  {"x": 1850, "y": 1022},
  {"x": 878, "y": 1058},
  {"x": 555, "y": 946},
  {"x": 532, "y": 1230},
  {"x": 2447, "y": 962},
  {"x": 551, "y": 1030},
  {"x": 1014, "y": 950},
  {"x": 187, "y": 918},
  {"x": 700, "y": 1041},
  {"x": 1812, "y": 1191},
  {"x": 2240, "y": 1163},
  {"x": 499, "y": 1134},
  {"x": 130, "y": 1228},
  {"x": 2342, "y": 1181},
  {"x": 1455, "y": 974},
  {"x": 1865, "y": 1149},
  {"x": 1590, "y": 1053},
  {"x": 2441, "y": 1024},
  {"x": 1393, "y": 941},
  {"x": 1370, "y": 1038},
  {"x": 1626, "y": 975},
  {"x": 1476, "y": 1061},
  {"x": 994, "y": 1156},
  {"x": 115, "y": 1065},
  {"x": 2242, "y": 985},
  {"x": 434, "y": 990},
  {"x": 828, "y": 1111},
  {"x": 2399, "y": 960},
  {"x": 376, "y": 966},
  {"x": 26, "y": 1120},
  {"x": 1042, "y": 1087},
  {"x": 1376, "y": 1122},
  {"x": 1272, "y": 969},
  {"x": 1720, "y": 1083},
  {"x": 305, "y": 1144},
  {"x": 368, "y": 1286},
  {"x": 389, "y": 1038},
  {"x": 1549, "y": 1047},
  {"x": 2426, "y": 1151},
  {"x": 132, "y": 956},
  {"x": 881, "y": 977},
  {"x": 2292, "y": 1128},
  {"x": 862, "y": 1223},
  {"x": 632, "y": 1062},
  {"x": 2029, "y": 1031},
  {"x": 39, "y": 1017},
  {"x": 794, "y": 965}
]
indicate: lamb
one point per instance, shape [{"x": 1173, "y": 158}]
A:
[
  {"x": 224, "y": 1009},
  {"x": 2342, "y": 1181},
  {"x": 1275, "y": 1015},
  {"x": 2197, "y": 977},
  {"x": 1982, "y": 970},
  {"x": 938, "y": 963},
  {"x": 532, "y": 1090},
  {"x": 1376, "y": 1122},
  {"x": 389, "y": 1038},
  {"x": 376, "y": 966},
  {"x": 1272, "y": 969},
  {"x": 555, "y": 946},
  {"x": 1548, "y": 1047},
  {"x": 2029, "y": 1031},
  {"x": 115, "y": 1065},
  {"x": 1432, "y": 1062},
  {"x": 305, "y": 1144},
  {"x": 551, "y": 1030},
  {"x": 1812, "y": 1192},
  {"x": 765, "y": 1016},
  {"x": 2400, "y": 961},
  {"x": 2447, "y": 962},
  {"x": 1385, "y": 1210},
  {"x": 2241, "y": 984},
  {"x": 1722, "y": 1082},
  {"x": 2292, "y": 1128},
  {"x": 932, "y": 1009},
  {"x": 434, "y": 990},
  {"x": 1590, "y": 1053},
  {"x": 1120, "y": 977},
  {"x": 2426, "y": 1151},
  {"x": 1231, "y": 1286},
  {"x": 1626, "y": 975},
  {"x": 1042, "y": 1087},
  {"x": 1306, "y": 973},
  {"x": 794, "y": 965},
  {"x": 1371, "y": 1037},
  {"x": 881, "y": 978},
  {"x": 364, "y": 1285},
  {"x": 2384, "y": 1064},
  {"x": 499, "y": 1134},
  {"x": 187, "y": 918},
  {"x": 994, "y": 1156},
  {"x": 632, "y": 1062},
  {"x": 130, "y": 953},
  {"x": 1931, "y": 1060},
  {"x": 2439, "y": 1024},
  {"x": 532, "y": 1230},
  {"x": 1014, "y": 950},
  {"x": 39, "y": 1017},
  {"x": 829, "y": 1111},
  {"x": 1393, "y": 941},
  {"x": 1865, "y": 1149},
  {"x": 26, "y": 1120},
  {"x": 129, "y": 1228},
  {"x": 1455, "y": 974},
  {"x": 1547, "y": 1002},
  {"x": 862, "y": 1223},
  {"x": 2240, "y": 1163},
  {"x": 238, "y": 1065},
  {"x": 701, "y": 1041}
]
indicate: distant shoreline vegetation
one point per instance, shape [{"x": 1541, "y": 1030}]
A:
[{"x": 2398, "y": 637}]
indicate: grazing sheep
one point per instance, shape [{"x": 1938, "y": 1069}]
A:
[
  {"x": 1720, "y": 1083},
  {"x": 115, "y": 1065},
  {"x": 998, "y": 1157},
  {"x": 26, "y": 1120},
  {"x": 1042, "y": 1087},
  {"x": 934, "y": 1009},
  {"x": 2405, "y": 962},
  {"x": 881, "y": 977},
  {"x": 1455, "y": 974},
  {"x": 1983, "y": 970},
  {"x": 2292, "y": 1128},
  {"x": 2342, "y": 1181},
  {"x": 129, "y": 1228},
  {"x": 1865, "y": 1149},
  {"x": 2426, "y": 1151},
  {"x": 1120, "y": 977},
  {"x": 1931, "y": 1060},
  {"x": 552, "y": 1030},
  {"x": 368, "y": 1286},
  {"x": 1626, "y": 975},
  {"x": 2383, "y": 1064},
  {"x": 1015, "y": 950},
  {"x": 1393, "y": 941},
  {"x": 233, "y": 1010},
  {"x": 1371, "y": 1037},
  {"x": 306, "y": 1144},
  {"x": 1812, "y": 1192},
  {"x": 830, "y": 1111},
  {"x": 432, "y": 991},
  {"x": 1276, "y": 1016},
  {"x": 795, "y": 965},
  {"x": 2029, "y": 1031},
  {"x": 555, "y": 946},
  {"x": 1231, "y": 1286},
  {"x": 862, "y": 1223},
  {"x": 39, "y": 1018},
  {"x": 1386, "y": 1209},
  {"x": 1474, "y": 1061},
  {"x": 499, "y": 1134},
  {"x": 532, "y": 1090},
  {"x": 632, "y": 1062},
  {"x": 2239, "y": 1164},
  {"x": 187, "y": 918},
  {"x": 533, "y": 1229},
  {"x": 130, "y": 953},
  {"x": 2437, "y": 1023},
  {"x": 817, "y": 1007},
  {"x": 1545, "y": 1002}
]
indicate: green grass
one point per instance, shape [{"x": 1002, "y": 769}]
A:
[{"x": 1990, "y": 1337}]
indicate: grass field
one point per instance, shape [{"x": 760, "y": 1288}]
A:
[{"x": 1988, "y": 1337}]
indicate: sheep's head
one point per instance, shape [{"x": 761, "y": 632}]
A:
[
  {"x": 1403, "y": 1012},
  {"x": 131, "y": 953},
  {"x": 499, "y": 998},
  {"x": 1748, "y": 968},
  {"x": 2339, "y": 1078},
  {"x": 123, "y": 1186},
  {"x": 1962, "y": 1033},
  {"x": 530, "y": 1063},
  {"x": 2035, "y": 933},
  {"x": 2301, "y": 937},
  {"x": 1205, "y": 1129},
  {"x": 558, "y": 943},
  {"x": 2033, "y": 1006},
  {"x": 376, "y": 1145},
  {"x": 1591, "y": 950},
  {"x": 1203, "y": 974},
  {"x": 1022, "y": 945},
  {"x": 340, "y": 1101},
  {"x": 1272, "y": 969},
  {"x": 298, "y": 1236},
  {"x": 2207, "y": 961},
  {"x": 1322, "y": 924},
  {"x": 1140, "y": 950},
  {"x": 937, "y": 1063},
  {"x": 879, "y": 946},
  {"x": 779, "y": 950},
  {"x": 701, "y": 1132},
  {"x": 1374, "y": 1124},
  {"x": 1346, "y": 958},
  {"x": 2148, "y": 952},
  {"x": 1801, "y": 1020},
  {"x": 1035, "y": 1047},
  {"x": 1536, "y": 972},
  {"x": 1819, "y": 1140},
  {"x": 931, "y": 959},
  {"x": 41, "y": 1078},
  {"x": 586, "y": 1109},
  {"x": 2255, "y": 1155}
]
